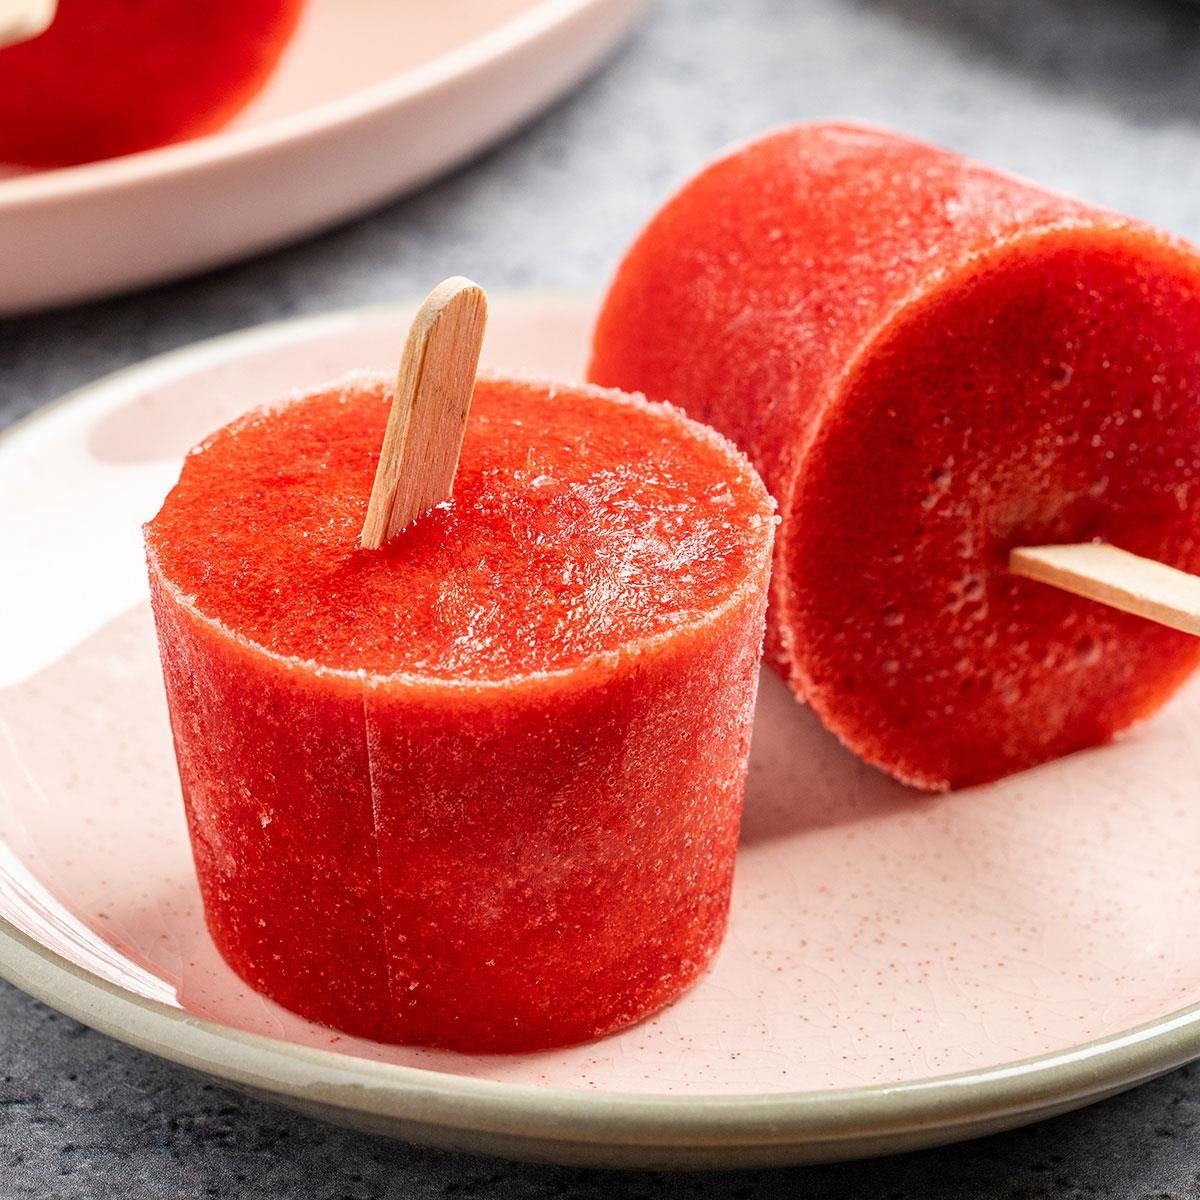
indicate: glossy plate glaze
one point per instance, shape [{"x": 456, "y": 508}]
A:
[
  {"x": 900, "y": 970},
  {"x": 368, "y": 101}
]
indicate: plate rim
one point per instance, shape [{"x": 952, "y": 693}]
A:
[
  {"x": 439, "y": 1099},
  {"x": 428, "y": 1099},
  {"x": 231, "y": 145}
]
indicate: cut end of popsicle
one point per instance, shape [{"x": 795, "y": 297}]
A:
[
  {"x": 428, "y": 419},
  {"x": 1109, "y": 575}
]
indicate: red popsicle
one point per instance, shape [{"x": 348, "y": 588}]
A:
[
  {"x": 110, "y": 77},
  {"x": 481, "y": 787},
  {"x": 932, "y": 363}
]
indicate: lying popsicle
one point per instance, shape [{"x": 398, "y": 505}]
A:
[
  {"x": 477, "y": 782},
  {"x": 92, "y": 79},
  {"x": 933, "y": 365}
]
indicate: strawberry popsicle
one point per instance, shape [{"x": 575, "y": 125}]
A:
[
  {"x": 479, "y": 788},
  {"x": 932, "y": 363},
  {"x": 109, "y": 77}
]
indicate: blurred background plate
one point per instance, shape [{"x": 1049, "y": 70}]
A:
[{"x": 373, "y": 98}]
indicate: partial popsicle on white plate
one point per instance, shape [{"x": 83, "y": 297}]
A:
[{"x": 441, "y": 81}]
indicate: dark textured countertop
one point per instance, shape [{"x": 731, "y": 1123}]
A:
[{"x": 1098, "y": 97}]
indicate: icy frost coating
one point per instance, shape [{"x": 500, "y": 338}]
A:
[
  {"x": 512, "y": 840},
  {"x": 931, "y": 362}
]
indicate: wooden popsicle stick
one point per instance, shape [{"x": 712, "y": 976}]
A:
[
  {"x": 1117, "y": 578},
  {"x": 21, "y": 20},
  {"x": 428, "y": 418}
]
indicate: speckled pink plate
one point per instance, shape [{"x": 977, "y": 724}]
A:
[{"x": 899, "y": 971}]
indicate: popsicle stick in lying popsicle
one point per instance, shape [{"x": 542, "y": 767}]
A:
[
  {"x": 1117, "y": 578},
  {"x": 428, "y": 419},
  {"x": 21, "y": 20}
]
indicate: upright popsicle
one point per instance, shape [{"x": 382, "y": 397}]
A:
[{"x": 478, "y": 782}]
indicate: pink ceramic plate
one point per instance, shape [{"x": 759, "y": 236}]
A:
[
  {"x": 900, "y": 970},
  {"x": 369, "y": 100}
]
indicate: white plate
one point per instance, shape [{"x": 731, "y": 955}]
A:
[
  {"x": 370, "y": 99},
  {"x": 901, "y": 970}
]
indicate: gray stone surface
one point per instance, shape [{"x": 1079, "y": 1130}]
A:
[{"x": 1100, "y": 97}]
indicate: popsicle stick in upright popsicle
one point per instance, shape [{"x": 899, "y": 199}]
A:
[
  {"x": 1117, "y": 578},
  {"x": 21, "y": 20},
  {"x": 428, "y": 417}
]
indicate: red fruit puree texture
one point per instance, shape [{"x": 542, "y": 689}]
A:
[
  {"x": 480, "y": 788},
  {"x": 111, "y": 77},
  {"x": 930, "y": 363}
]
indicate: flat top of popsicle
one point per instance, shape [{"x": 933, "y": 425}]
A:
[{"x": 581, "y": 520}]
